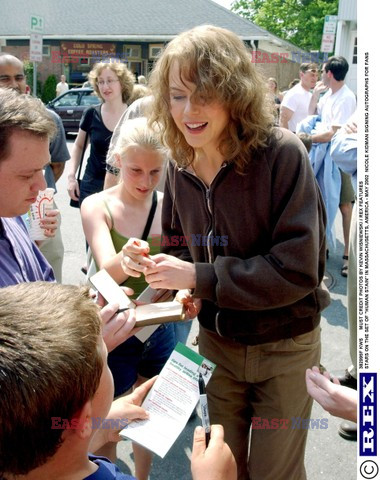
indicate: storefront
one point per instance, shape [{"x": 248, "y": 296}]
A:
[{"x": 78, "y": 58}]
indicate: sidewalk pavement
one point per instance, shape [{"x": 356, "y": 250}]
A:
[{"x": 328, "y": 456}]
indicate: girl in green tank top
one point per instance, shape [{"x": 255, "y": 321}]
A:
[
  {"x": 109, "y": 219},
  {"x": 113, "y": 216}
]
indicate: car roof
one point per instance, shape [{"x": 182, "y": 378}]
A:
[{"x": 80, "y": 89}]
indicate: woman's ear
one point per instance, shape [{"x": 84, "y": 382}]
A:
[{"x": 117, "y": 160}]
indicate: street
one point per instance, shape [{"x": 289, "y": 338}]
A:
[{"x": 328, "y": 456}]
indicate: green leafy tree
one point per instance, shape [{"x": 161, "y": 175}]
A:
[
  {"x": 297, "y": 21},
  {"x": 28, "y": 69},
  {"x": 48, "y": 92}
]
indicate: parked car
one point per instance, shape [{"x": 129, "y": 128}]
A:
[{"x": 71, "y": 105}]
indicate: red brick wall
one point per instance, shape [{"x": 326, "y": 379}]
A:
[{"x": 45, "y": 68}]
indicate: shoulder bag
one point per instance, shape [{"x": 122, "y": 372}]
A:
[{"x": 75, "y": 203}]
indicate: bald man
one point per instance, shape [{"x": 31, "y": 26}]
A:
[{"x": 62, "y": 86}]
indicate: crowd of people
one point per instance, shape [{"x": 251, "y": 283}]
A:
[
  {"x": 201, "y": 153},
  {"x": 315, "y": 109}
]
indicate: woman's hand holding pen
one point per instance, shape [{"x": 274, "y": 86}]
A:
[
  {"x": 171, "y": 273},
  {"x": 136, "y": 257},
  {"x": 161, "y": 271}
]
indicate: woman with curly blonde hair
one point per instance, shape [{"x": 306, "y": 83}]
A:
[
  {"x": 242, "y": 94},
  {"x": 244, "y": 231},
  {"x": 113, "y": 83}
]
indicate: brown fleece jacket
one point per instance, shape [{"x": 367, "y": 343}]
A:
[{"x": 257, "y": 240}]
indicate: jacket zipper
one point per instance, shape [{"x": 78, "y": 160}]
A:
[
  {"x": 209, "y": 235},
  {"x": 208, "y": 205}
]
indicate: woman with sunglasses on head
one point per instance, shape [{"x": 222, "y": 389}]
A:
[
  {"x": 113, "y": 83},
  {"x": 244, "y": 195}
]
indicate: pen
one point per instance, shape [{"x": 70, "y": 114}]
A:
[
  {"x": 143, "y": 254},
  {"x": 122, "y": 310},
  {"x": 204, "y": 407}
]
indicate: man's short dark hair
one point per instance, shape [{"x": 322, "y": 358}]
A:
[
  {"x": 304, "y": 67},
  {"x": 25, "y": 113},
  {"x": 338, "y": 66},
  {"x": 50, "y": 366}
]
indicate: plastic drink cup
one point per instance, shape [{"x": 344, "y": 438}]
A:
[{"x": 37, "y": 211}]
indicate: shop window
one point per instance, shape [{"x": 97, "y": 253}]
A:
[
  {"x": 132, "y": 52},
  {"x": 355, "y": 52},
  {"x": 155, "y": 50}
]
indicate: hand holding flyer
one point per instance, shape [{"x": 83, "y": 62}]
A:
[{"x": 146, "y": 315}]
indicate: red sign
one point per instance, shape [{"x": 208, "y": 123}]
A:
[
  {"x": 328, "y": 41},
  {"x": 88, "y": 49}
]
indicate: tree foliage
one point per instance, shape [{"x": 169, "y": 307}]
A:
[
  {"x": 297, "y": 21},
  {"x": 28, "y": 69},
  {"x": 48, "y": 92}
]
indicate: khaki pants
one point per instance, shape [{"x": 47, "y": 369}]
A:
[{"x": 266, "y": 381}]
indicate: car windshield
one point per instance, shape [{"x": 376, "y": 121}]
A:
[
  {"x": 90, "y": 100},
  {"x": 68, "y": 100}
]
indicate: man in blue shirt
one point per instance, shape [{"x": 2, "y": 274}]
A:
[
  {"x": 20, "y": 259},
  {"x": 25, "y": 130},
  {"x": 12, "y": 76}
]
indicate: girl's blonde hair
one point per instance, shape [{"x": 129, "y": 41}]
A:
[
  {"x": 219, "y": 64},
  {"x": 137, "y": 132},
  {"x": 126, "y": 78}
]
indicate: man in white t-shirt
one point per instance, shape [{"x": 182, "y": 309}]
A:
[
  {"x": 62, "y": 86},
  {"x": 337, "y": 104},
  {"x": 335, "y": 108},
  {"x": 295, "y": 104}
]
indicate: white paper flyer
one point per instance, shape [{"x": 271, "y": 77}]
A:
[{"x": 171, "y": 401}]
